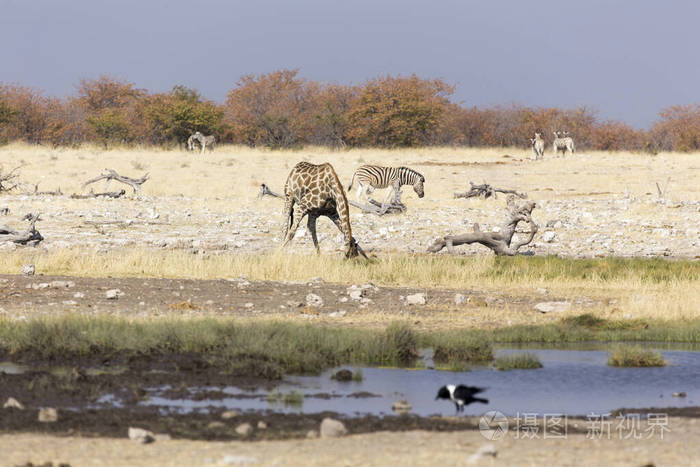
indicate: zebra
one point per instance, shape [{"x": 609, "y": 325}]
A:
[
  {"x": 537, "y": 145},
  {"x": 565, "y": 143},
  {"x": 204, "y": 141},
  {"x": 371, "y": 177}
]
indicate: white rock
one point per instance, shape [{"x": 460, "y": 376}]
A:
[
  {"x": 229, "y": 414},
  {"x": 249, "y": 305},
  {"x": 70, "y": 302},
  {"x": 460, "y": 299},
  {"x": 542, "y": 291},
  {"x": 78, "y": 295},
  {"x": 553, "y": 307},
  {"x": 61, "y": 284},
  {"x": 416, "y": 299},
  {"x": 331, "y": 428},
  {"x": 548, "y": 237},
  {"x": 239, "y": 460},
  {"x": 337, "y": 314},
  {"x": 401, "y": 406},
  {"x": 244, "y": 429},
  {"x": 48, "y": 415},
  {"x": 487, "y": 450},
  {"x": 113, "y": 294},
  {"x": 13, "y": 403},
  {"x": 262, "y": 425},
  {"x": 140, "y": 435},
  {"x": 28, "y": 270},
  {"x": 314, "y": 300}
]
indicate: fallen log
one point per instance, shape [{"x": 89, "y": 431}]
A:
[
  {"x": 486, "y": 191},
  {"x": 107, "y": 194},
  {"x": 373, "y": 208},
  {"x": 9, "y": 180},
  {"x": 498, "y": 242},
  {"x": 111, "y": 174},
  {"x": 28, "y": 236}
]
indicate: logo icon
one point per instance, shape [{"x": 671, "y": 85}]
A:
[{"x": 493, "y": 425}]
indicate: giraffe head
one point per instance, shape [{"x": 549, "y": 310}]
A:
[
  {"x": 354, "y": 250},
  {"x": 418, "y": 187}
]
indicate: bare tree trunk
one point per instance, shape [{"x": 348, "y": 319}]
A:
[
  {"x": 107, "y": 194},
  {"x": 498, "y": 242},
  {"x": 29, "y": 235},
  {"x": 111, "y": 174},
  {"x": 486, "y": 191}
]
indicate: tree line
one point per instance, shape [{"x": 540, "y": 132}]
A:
[{"x": 282, "y": 110}]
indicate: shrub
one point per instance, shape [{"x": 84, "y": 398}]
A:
[
  {"x": 398, "y": 112},
  {"x": 635, "y": 356},
  {"x": 523, "y": 361}
]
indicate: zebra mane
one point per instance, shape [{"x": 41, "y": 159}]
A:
[{"x": 413, "y": 172}]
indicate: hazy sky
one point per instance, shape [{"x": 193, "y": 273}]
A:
[{"x": 627, "y": 59}]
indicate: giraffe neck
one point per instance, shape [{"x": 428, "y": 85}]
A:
[{"x": 341, "y": 203}]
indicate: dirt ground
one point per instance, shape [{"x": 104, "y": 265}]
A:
[
  {"x": 678, "y": 447},
  {"x": 27, "y": 296}
]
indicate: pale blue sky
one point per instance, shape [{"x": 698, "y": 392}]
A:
[{"x": 627, "y": 59}]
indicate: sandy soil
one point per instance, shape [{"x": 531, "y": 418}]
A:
[{"x": 678, "y": 447}]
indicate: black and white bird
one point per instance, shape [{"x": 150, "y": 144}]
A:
[{"x": 461, "y": 395}]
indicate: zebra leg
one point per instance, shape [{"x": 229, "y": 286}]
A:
[
  {"x": 204, "y": 145},
  {"x": 390, "y": 194},
  {"x": 360, "y": 190},
  {"x": 311, "y": 223}
]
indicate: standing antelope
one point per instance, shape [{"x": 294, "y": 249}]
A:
[{"x": 371, "y": 177}]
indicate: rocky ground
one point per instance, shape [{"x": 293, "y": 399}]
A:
[
  {"x": 22, "y": 297},
  {"x": 588, "y": 226}
]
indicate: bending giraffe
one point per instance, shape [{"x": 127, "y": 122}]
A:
[{"x": 314, "y": 191}]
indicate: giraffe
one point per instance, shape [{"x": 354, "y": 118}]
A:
[{"x": 315, "y": 190}]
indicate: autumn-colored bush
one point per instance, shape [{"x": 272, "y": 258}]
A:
[
  {"x": 27, "y": 115},
  {"x": 173, "y": 117},
  {"x": 398, "y": 112},
  {"x": 273, "y": 110},
  {"x": 282, "y": 110},
  {"x": 678, "y": 128}
]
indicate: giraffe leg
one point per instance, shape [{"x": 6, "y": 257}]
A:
[
  {"x": 298, "y": 214},
  {"x": 311, "y": 223}
]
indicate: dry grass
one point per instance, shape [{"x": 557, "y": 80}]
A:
[
  {"x": 657, "y": 289},
  {"x": 235, "y": 172}
]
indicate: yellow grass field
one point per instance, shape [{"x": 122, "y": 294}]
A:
[{"x": 235, "y": 172}]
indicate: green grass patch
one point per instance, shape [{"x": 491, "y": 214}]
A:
[
  {"x": 289, "y": 399},
  {"x": 271, "y": 349},
  {"x": 522, "y": 361},
  {"x": 548, "y": 268},
  {"x": 635, "y": 356}
]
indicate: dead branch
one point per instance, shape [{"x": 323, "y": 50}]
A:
[
  {"x": 9, "y": 181},
  {"x": 107, "y": 194},
  {"x": 662, "y": 193},
  {"x": 36, "y": 191},
  {"x": 29, "y": 235},
  {"x": 111, "y": 174},
  {"x": 499, "y": 242},
  {"x": 373, "y": 208},
  {"x": 486, "y": 191}
]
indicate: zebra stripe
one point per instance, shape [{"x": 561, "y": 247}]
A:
[{"x": 381, "y": 177}]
